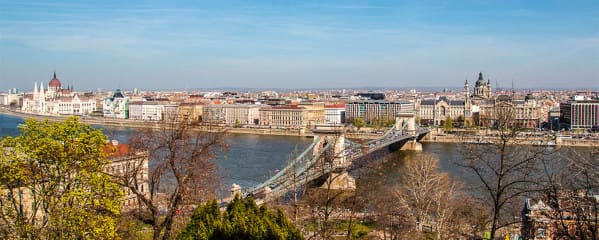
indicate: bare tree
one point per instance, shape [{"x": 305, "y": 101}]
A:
[
  {"x": 426, "y": 194},
  {"x": 585, "y": 183},
  {"x": 324, "y": 199},
  {"x": 297, "y": 189},
  {"x": 182, "y": 172},
  {"x": 571, "y": 190},
  {"x": 504, "y": 169},
  {"x": 383, "y": 209},
  {"x": 355, "y": 203}
]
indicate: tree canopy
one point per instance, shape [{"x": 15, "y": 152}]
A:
[
  {"x": 448, "y": 124},
  {"x": 359, "y": 123},
  {"x": 243, "y": 219},
  {"x": 52, "y": 184}
]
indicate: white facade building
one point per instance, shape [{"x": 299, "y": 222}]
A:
[
  {"x": 35, "y": 102},
  {"x": 74, "y": 105},
  {"x": 116, "y": 106},
  {"x": 152, "y": 111},
  {"x": 3, "y": 99},
  {"x": 288, "y": 116},
  {"x": 10, "y": 98},
  {"x": 334, "y": 114},
  {"x": 231, "y": 115},
  {"x": 125, "y": 162},
  {"x": 435, "y": 111}
]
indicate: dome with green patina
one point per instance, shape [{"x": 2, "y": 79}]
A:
[
  {"x": 529, "y": 97},
  {"x": 481, "y": 80}
]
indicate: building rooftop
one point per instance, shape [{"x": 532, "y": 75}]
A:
[
  {"x": 380, "y": 101},
  {"x": 116, "y": 149}
]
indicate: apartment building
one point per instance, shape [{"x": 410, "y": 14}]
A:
[
  {"x": 231, "y": 114},
  {"x": 152, "y": 111},
  {"x": 290, "y": 116},
  {"x": 582, "y": 114},
  {"x": 376, "y": 110}
]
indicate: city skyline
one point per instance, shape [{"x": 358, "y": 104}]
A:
[{"x": 308, "y": 44}]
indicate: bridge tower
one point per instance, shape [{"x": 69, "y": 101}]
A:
[
  {"x": 407, "y": 121},
  {"x": 335, "y": 155},
  {"x": 331, "y": 135}
]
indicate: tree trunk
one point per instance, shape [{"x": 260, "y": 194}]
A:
[{"x": 156, "y": 235}]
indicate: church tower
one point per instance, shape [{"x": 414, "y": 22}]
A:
[
  {"x": 42, "y": 99},
  {"x": 466, "y": 89},
  {"x": 35, "y": 90},
  {"x": 482, "y": 88},
  {"x": 488, "y": 88},
  {"x": 467, "y": 102}
]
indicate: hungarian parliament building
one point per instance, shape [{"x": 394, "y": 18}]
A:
[{"x": 56, "y": 100}]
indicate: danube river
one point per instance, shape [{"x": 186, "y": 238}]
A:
[{"x": 253, "y": 158}]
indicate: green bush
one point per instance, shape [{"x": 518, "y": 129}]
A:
[{"x": 243, "y": 219}]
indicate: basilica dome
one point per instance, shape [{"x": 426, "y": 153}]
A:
[{"x": 481, "y": 80}]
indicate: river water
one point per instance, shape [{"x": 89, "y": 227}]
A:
[{"x": 251, "y": 159}]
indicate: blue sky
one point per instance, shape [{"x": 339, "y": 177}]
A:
[{"x": 299, "y": 44}]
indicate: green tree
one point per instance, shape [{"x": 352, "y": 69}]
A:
[
  {"x": 243, "y": 219},
  {"x": 52, "y": 184},
  {"x": 468, "y": 123},
  {"x": 359, "y": 122},
  {"x": 448, "y": 124}
]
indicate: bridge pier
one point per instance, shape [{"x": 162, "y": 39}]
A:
[
  {"x": 339, "y": 181},
  {"x": 412, "y": 145}
]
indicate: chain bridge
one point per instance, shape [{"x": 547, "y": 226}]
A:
[{"x": 331, "y": 153}]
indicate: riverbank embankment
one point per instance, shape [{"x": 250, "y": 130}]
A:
[
  {"x": 128, "y": 123},
  {"x": 524, "y": 138},
  {"x": 436, "y": 135}
]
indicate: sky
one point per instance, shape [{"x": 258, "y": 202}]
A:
[{"x": 155, "y": 45}]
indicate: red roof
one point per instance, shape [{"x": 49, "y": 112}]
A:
[
  {"x": 116, "y": 151},
  {"x": 287, "y": 107},
  {"x": 341, "y": 105}
]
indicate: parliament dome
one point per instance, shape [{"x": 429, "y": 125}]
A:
[{"x": 55, "y": 83}]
